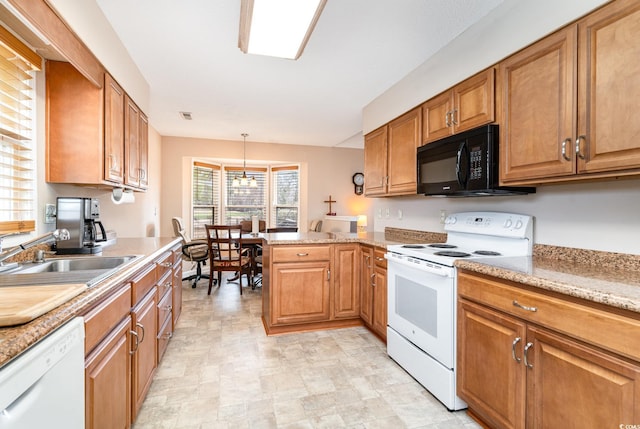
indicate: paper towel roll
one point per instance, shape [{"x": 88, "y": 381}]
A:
[
  {"x": 254, "y": 224},
  {"x": 122, "y": 196}
]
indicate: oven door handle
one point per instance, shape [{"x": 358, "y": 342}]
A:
[{"x": 431, "y": 269}]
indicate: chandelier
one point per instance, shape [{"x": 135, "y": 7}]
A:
[{"x": 244, "y": 180}]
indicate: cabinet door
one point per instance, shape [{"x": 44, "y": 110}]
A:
[
  {"x": 300, "y": 292},
  {"x": 346, "y": 286},
  {"x": 113, "y": 130},
  {"x": 539, "y": 117},
  {"x": 489, "y": 379},
  {"x": 144, "y": 319},
  {"x": 108, "y": 381},
  {"x": 404, "y": 138},
  {"x": 379, "y": 324},
  {"x": 436, "y": 118},
  {"x": 144, "y": 151},
  {"x": 132, "y": 143},
  {"x": 474, "y": 102},
  {"x": 375, "y": 162},
  {"x": 366, "y": 288},
  {"x": 609, "y": 88},
  {"x": 572, "y": 385}
]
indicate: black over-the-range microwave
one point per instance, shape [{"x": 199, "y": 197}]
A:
[{"x": 463, "y": 165}]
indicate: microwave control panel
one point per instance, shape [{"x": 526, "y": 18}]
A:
[{"x": 475, "y": 167}]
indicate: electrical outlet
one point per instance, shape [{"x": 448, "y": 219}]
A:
[
  {"x": 399, "y": 214},
  {"x": 443, "y": 216},
  {"x": 387, "y": 213},
  {"x": 49, "y": 213},
  {"x": 379, "y": 213}
]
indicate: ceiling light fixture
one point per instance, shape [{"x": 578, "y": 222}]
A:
[
  {"x": 277, "y": 28},
  {"x": 244, "y": 180}
]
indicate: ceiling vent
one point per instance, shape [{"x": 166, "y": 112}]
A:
[{"x": 186, "y": 116}]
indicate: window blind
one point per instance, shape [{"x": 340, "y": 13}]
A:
[
  {"x": 285, "y": 196},
  {"x": 242, "y": 202},
  {"x": 206, "y": 198},
  {"x": 18, "y": 64}
]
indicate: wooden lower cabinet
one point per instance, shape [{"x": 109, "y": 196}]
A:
[
  {"x": 144, "y": 359},
  {"x": 346, "y": 286},
  {"x": 108, "y": 381},
  {"x": 514, "y": 373},
  {"x": 373, "y": 290}
]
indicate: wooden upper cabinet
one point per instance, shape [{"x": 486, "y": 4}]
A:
[
  {"x": 465, "y": 106},
  {"x": 390, "y": 156},
  {"x": 569, "y": 102},
  {"x": 538, "y": 121},
  {"x": 113, "y": 131},
  {"x": 609, "y": 88},
  {"x": 375, "y": 162},
  {"x": 98, "y": 128}
]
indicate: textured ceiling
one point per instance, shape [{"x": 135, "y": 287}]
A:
[{"x": 188, "y": 53}]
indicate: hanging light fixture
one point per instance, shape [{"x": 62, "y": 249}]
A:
[{"x": 244, "y": 180}]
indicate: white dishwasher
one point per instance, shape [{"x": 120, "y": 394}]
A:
[{"x": 44, "y": 386}]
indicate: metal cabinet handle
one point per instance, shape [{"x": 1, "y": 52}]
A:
[
  {"x": 139, "y": 325},
  {"x": 165, "y": 264},
  {"x": 328, "y": 275},
  {"x": 379, "y": 258},
  {"x": 168, "y": 307},
  {"x": 373, "y": 276},
  {"x": 302, "y": 254},
  {"x": 168, "y": 285},
  {"x": 578, "y": 152},
  {"x": 524, "y": 307},
  {"x": 135, "y": 334},
  {"x": 114, "y": 162},
  {"x": 513, "y": 349},
  {"x": 564, "y": 149},
  {"x": 453, "y": 117},
  {"x": 526, "y": 351},
  {"x": 368, "y": 260}
]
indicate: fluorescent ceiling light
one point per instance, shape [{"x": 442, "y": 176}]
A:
[{"x": 277, "y": 28}]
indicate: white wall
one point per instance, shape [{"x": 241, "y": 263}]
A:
[{"x": 599, "y": 216}]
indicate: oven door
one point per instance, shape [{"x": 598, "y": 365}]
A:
[{"x": 421, "y": 299}]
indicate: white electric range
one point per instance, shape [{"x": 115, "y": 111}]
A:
[{"x": 421, "y": 282}]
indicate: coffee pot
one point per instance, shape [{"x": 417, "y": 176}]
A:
[{"x": 81, "y": 217}]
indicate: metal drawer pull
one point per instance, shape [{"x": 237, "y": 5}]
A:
[
  {"x": 513, "y": 349},
  {"x": 165, "y": 264},
  {"x": 564, "y": 149},
  {"x": 526, "y": 351},
  {"x": 524, "y": 307},
  {"x": 302, "y": 254},
  {"x": 168, "y": 307},
  {"x": 139, "y": 325},
  {"x": 135, "y": 334},
  {"x": 328, "y": 275}
]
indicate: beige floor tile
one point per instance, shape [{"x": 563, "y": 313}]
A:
[{"x": 221, "y": 371}]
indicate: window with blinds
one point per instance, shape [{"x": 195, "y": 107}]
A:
[
  {"x": 18, "y": 64},
  {"x": 284, "y": 196},
  {"x": 206, "y": 198},
  {"x": 242, "y": 202}
]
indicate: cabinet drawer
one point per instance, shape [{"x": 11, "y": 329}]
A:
[
  {"x": 165, "y": 307},
  {"x": 301, "y": 253},
  {"x": 102, "y": 319},
  {"x": 164, "y": 335},
  {"x": 378, "y": 258},
  {"x": 165, "y": 284},
  {"x": 142, "y": 283},
  {"x": 164, "y": 264},
  {"x": 605, "y": 329}
]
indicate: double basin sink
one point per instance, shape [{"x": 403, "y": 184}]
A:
[{"x": 86, "y": 269}]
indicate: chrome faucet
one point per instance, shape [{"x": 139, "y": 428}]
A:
[{"x": 57, "y": 235}]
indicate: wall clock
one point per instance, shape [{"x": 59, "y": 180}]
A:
[{"x": 358, "y": 183}]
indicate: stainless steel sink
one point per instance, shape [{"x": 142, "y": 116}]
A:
[
  {"x": 88, "y": 269},
  {"x": 74, "y": 264}
]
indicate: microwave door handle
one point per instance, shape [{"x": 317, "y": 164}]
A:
[{"x": 462, "y": 170}]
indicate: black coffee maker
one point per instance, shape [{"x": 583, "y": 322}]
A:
[{"x": 81, "y": 217}]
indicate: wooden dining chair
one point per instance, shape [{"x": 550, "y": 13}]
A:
[{"x": 226, "y": 253}]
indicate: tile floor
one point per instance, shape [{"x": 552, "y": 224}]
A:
[{"x": 221, "y": 371}]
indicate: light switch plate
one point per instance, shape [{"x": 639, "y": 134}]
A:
[{"x": 49, "y": 213}]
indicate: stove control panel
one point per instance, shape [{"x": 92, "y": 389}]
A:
[{"x": 491, "y": 223}]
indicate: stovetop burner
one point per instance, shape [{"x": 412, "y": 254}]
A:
[
  {"x": 413, "y": 246},
  {"x": 452, "y": 254},
  {"x": 443, "y": 246},
  {"x": 487, "y": 253}
]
